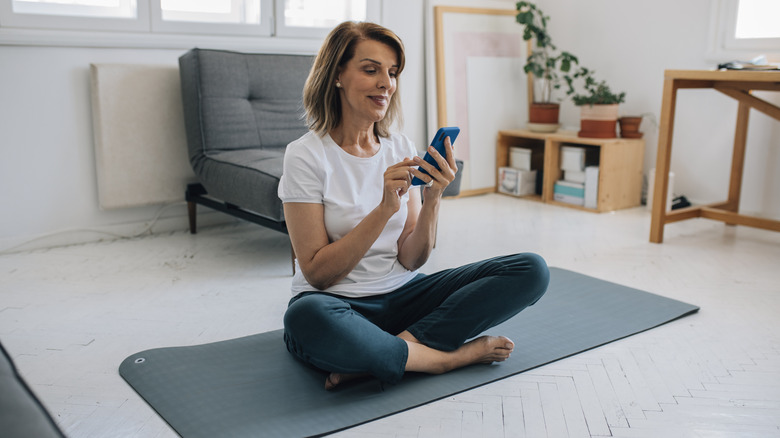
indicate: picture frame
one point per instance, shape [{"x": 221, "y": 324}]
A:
[{"x": 478, "y": 85}]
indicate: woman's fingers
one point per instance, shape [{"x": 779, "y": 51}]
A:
[
  {"x": 447, "y": 164},
  {"x": 450, "y": 150},
  {"x": 398, "y": 179},
  {"x": 444, "y": 176},
  {"x": 400, "y": 171}
]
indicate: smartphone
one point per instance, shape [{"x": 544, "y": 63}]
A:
[{"x": 438, "y": 143}]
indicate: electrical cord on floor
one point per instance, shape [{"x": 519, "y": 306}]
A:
[{"x": 147, "y": 230}]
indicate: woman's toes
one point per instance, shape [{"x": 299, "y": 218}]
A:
[{"x": 332, "y": 380}]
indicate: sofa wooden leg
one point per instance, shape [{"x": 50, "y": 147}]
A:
[{"x": 192, "y": 213}]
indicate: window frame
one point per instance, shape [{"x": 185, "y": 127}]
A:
[
  {"x": 11, "y": 19},
  {"x": 264, "y": 28},
  {"x": 148, "y": 30},
  {"x": 373, "y": 13},
  {"x": 723, "y": 43}
]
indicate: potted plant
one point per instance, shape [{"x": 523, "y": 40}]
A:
[
  {"x": 598, "y": 104},
  {"x": 629, "y": 126},
  {"x": 546, "y": 65}
]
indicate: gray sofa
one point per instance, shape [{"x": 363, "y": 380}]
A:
[
  {"x": 21, "y": 413},
  {"x": 240, "y": 111}
]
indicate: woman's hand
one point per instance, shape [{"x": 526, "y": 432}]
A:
[
  {"x": 439, "y": 179},
  {"x": 419, "y": 235},
  {"x": 397, "y": 181}
]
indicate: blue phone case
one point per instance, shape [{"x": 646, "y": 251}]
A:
[{"x": 438, "y": 143}]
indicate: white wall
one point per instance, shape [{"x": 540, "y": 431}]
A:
[
  {"x": 47, "y": 169},
  {"x": 630, "y": 44}
]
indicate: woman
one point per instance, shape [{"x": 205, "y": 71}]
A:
[{"x": 360, "y": 232}]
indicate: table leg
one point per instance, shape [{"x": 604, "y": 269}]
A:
[
  {"x": 662, "y": 162},
  {"x": 738, "y": 158}
]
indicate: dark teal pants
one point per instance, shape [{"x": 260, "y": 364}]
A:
[{"x": 442, "y": 310}]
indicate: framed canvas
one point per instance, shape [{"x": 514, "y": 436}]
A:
[{"x": 480, "y": 85}]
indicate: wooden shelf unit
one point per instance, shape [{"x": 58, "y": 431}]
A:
[{"x": 619, "y": 160}]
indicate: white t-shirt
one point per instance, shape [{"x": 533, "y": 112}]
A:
[{"x": 317, "y": 170}]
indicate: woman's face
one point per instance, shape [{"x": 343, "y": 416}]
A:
[{"x": 368, "y": 82}]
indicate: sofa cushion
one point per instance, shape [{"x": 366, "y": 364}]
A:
[
  {"x": 247, "y": 178},
  {"x": 21, "y": 413}
]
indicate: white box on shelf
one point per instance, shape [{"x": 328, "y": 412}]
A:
[
  {"x": 516, "y": 182},
  {"x": 591, "y": 187},
  {"x": 520, "y": 158},
  {"x": 574, "y": 176},
  {"x": 573, "y": 158}
]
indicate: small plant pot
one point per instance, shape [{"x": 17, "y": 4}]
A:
[
  {"x": 543, "y": 117},
  {"x": 629, "y": 126},
  {"x": 598, "y": 121}
]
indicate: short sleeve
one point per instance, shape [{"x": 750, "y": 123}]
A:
[
  {"x": 302, "y": 178},
  {"x": 411, "y": 149},
  {"x": 404, "y": 146}
]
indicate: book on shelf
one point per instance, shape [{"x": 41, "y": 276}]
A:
[
  {"x": 591, "y": 187},
  {"x": 569, "y": 192}
]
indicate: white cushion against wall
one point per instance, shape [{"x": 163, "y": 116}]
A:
[{"x": 140, "y": 141}]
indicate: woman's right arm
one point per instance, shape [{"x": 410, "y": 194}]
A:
[{"x": 324, "y": 263}]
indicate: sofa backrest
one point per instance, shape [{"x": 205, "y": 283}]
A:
[{"x": 238, "y": 100}]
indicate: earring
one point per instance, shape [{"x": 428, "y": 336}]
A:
[{"x": 338, "y": 84}]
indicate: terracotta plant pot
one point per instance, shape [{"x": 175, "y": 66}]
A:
[
  {"x": 629, "y": 127},
  {"x": 598, "y": 121},
  {"x": 544, "y": 112},
  {"x": 543, "y": 117}
]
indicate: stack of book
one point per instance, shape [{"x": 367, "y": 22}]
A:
[{"x": 580, "y": 183}]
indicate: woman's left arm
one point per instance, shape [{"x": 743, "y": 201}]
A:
[{"x": 419, "y": 234}]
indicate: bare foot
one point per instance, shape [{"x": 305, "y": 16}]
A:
[
  {"x": 334, "y": 379},
  {"x": 489, "y": 349},
  {"x": 485, "y": 349}
]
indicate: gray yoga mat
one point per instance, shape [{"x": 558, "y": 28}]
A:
[{"x": 251, "y": 386}]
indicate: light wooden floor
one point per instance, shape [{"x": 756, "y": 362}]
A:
[{"x": 70, "y": 315}]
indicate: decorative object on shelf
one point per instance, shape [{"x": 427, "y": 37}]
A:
[
  {"x": 472, "y": 82},
  {"x": 598, "y": 105},
  {"x": 516, "y": 182},
  {"x": 546, "y": 65},
  {"x": 609, "y": 170},
  {"x": 598, "y": 121},
  {"x": 629, "y": 126}
]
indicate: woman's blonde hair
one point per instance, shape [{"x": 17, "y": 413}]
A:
[{"x": 321, "y": 99}]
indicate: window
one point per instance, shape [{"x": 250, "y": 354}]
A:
[
  {"x": 314, "y": 18},
  {"x": 79, "y": 8},
  {"x": 316, "y": 13},
  {"x": 211, "y": 11},
  {"x": 225, "y": 17},
  {"x": 757, "y": 19},
  {"x": 116, "y": 15},
  {"x": 293, "y": 18},
  {"x": 745, "y": 28}
]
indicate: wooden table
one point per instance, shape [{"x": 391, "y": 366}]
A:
[{"x": 738, "y": 85}]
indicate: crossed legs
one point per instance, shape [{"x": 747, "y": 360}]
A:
[
  {"x": 424, "y": 359},
  {"x": 431, "y": 317}
]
